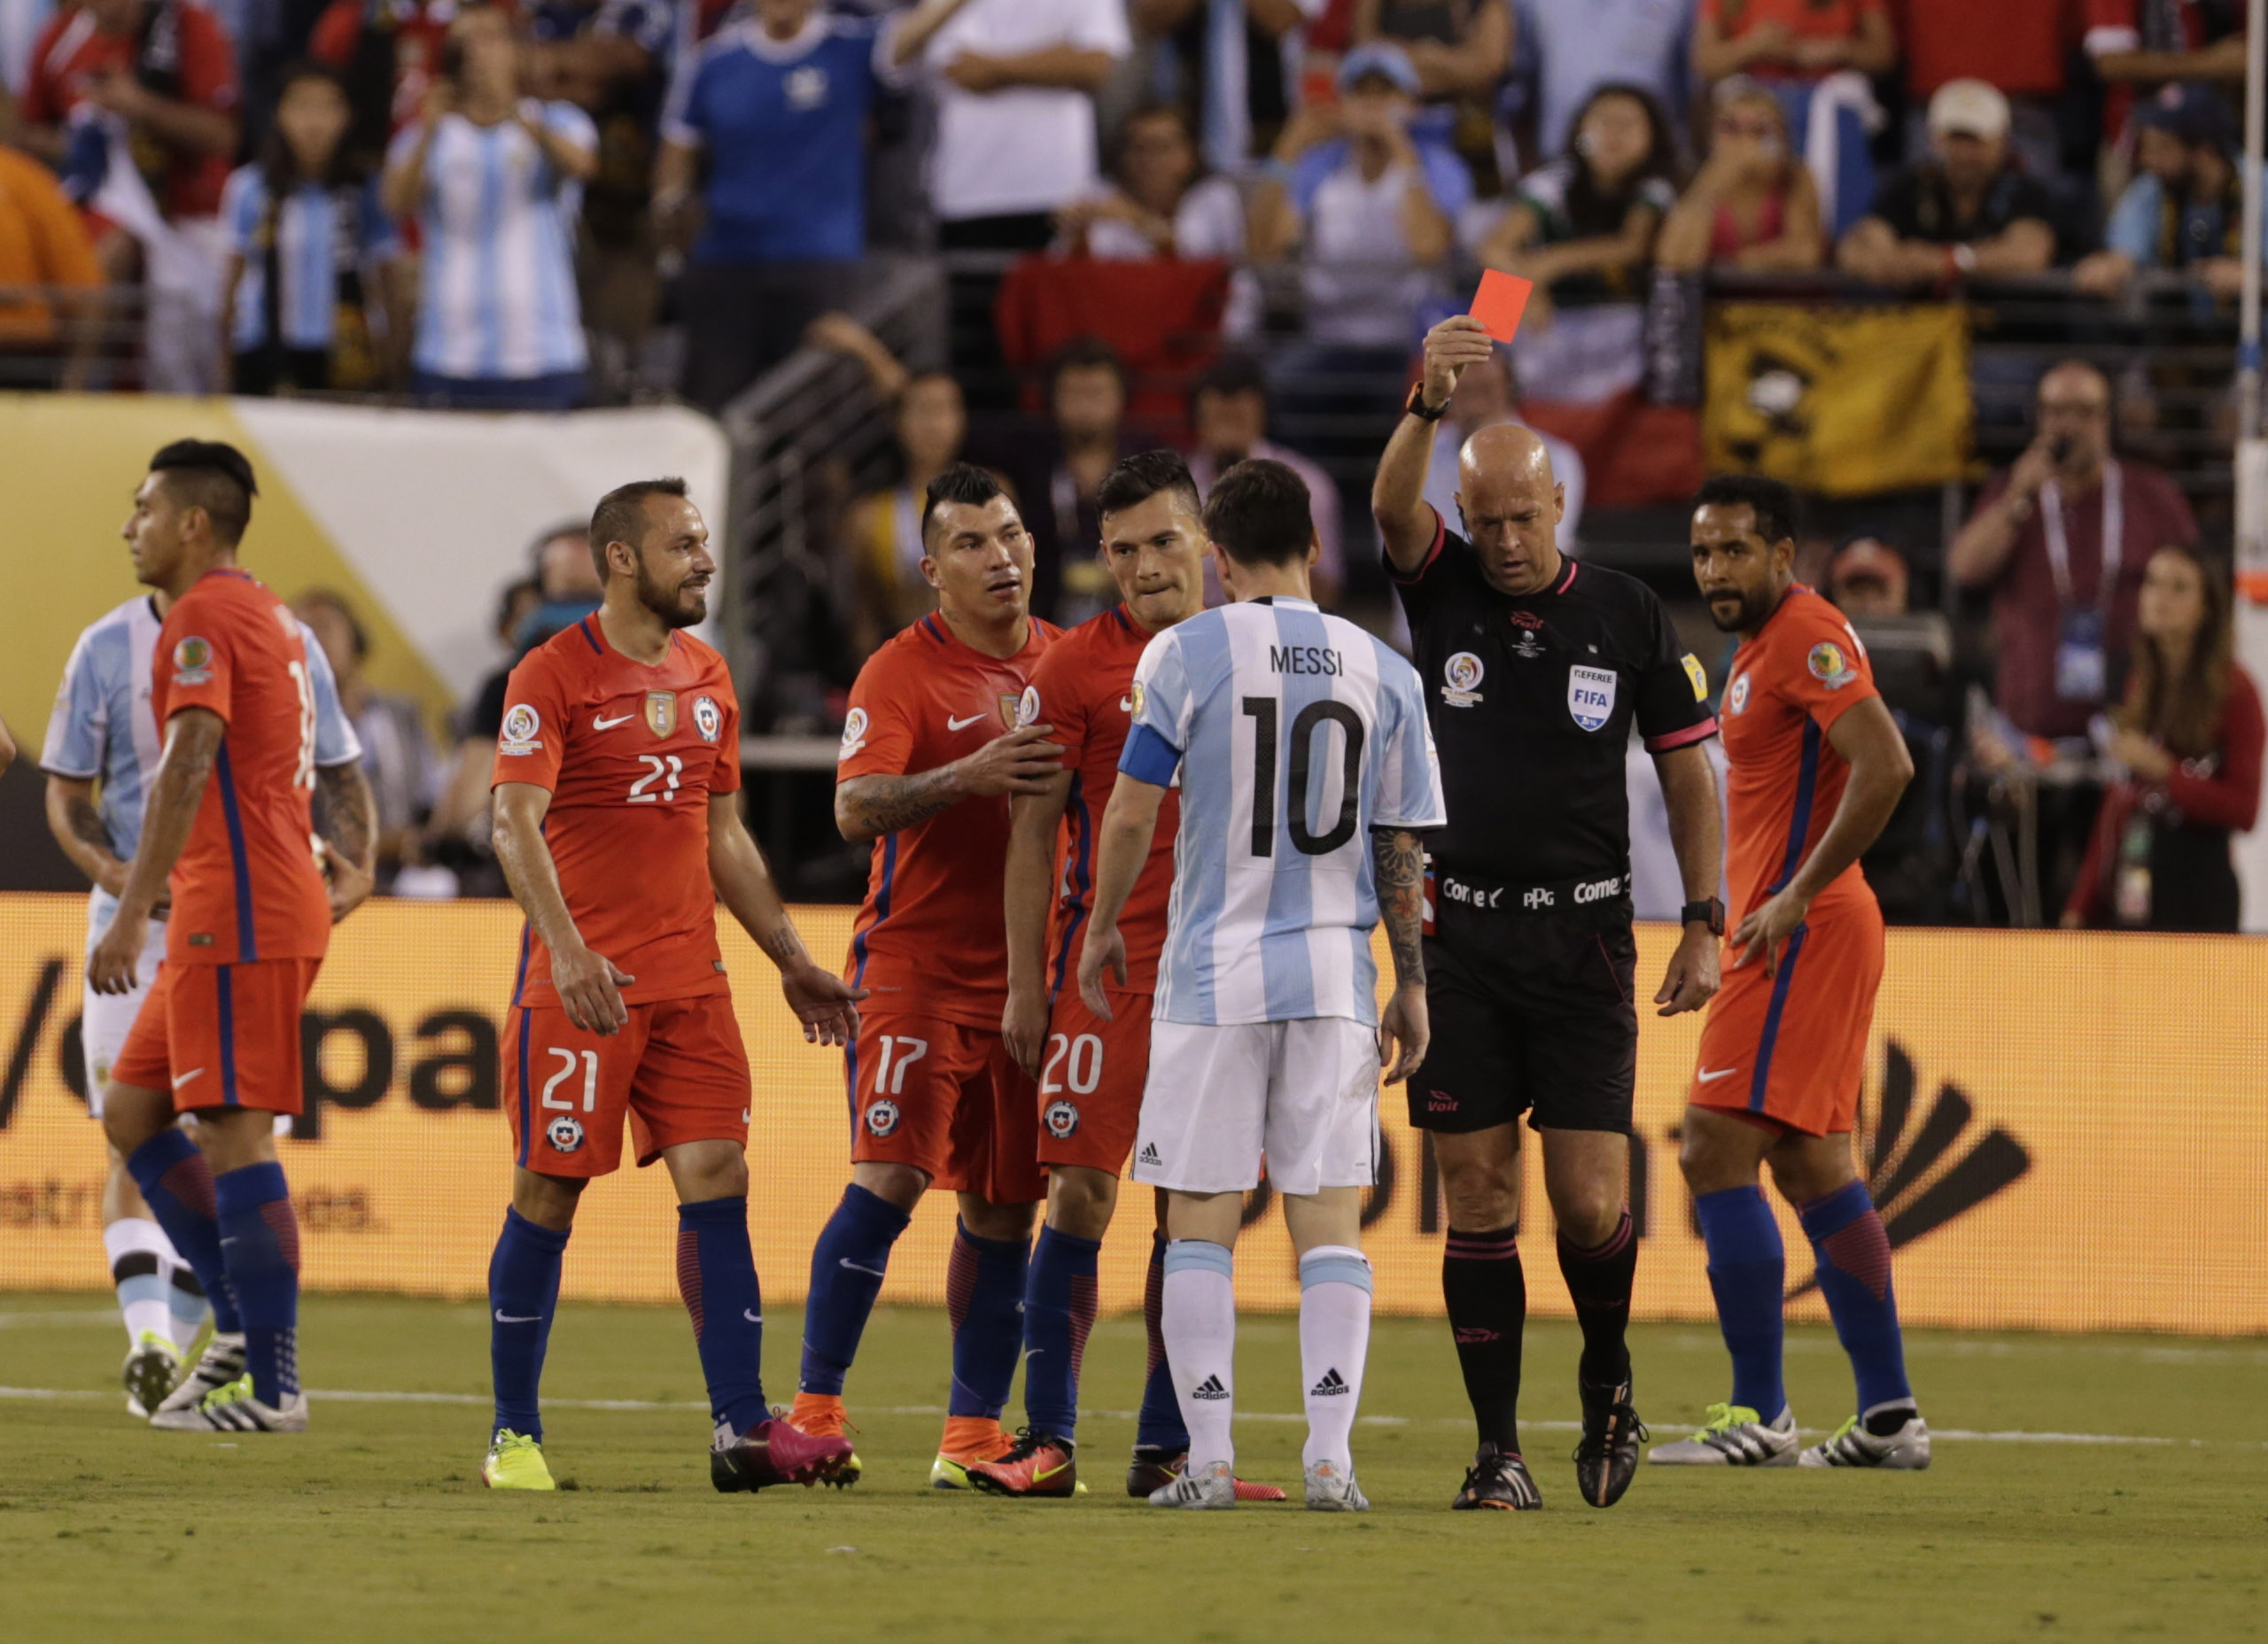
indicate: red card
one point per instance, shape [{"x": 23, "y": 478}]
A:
[{"x": 1499, "y": 303}]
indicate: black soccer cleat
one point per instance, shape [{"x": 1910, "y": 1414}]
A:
[
  {"x": 1607, "y": 1458},
  {"x": 1498, "y": 1481}
]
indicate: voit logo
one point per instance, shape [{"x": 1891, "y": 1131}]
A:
[{"x": 1923, "y": 1169}]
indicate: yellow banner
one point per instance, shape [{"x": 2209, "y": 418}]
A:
[
  {"x": 1840, "y": 401},
  {"x": 2063, "y": 1132}
]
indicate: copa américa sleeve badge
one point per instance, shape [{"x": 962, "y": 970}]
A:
[
  {"x": 1829, "y": 666},
  {"x": 193, "y": 660},
  {"x": 1698, "y": 675}
]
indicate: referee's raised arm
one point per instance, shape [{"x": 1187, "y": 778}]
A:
[{"x": 1398, "y": 494}]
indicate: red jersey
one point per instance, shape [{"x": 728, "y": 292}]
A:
[
  {"x": 416, "y": 30},
  {"x": 1804, "y": 671},
  {"x": 246, "y": 887},
  {"x": 631, "y": 756},
  {"x": 2023, "y": 51},
  {"x": 931, "y": 936},
  {"x": 1082, "y": 687},
  {"x": 182, "y": 55}
]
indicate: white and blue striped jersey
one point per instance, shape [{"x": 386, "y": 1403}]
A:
[
  {"x": 1295, "y": 734},
  {"x": 319, "y": 233},
  {"x": 497, "y": 292},
  {"x": 103, "y": 728}
]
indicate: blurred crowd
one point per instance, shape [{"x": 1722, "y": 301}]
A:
[{"x": 538, "y": 202}]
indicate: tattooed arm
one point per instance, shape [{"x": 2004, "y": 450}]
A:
[
  {"x": 1021, "y": 762},
  {"x": 823, "y": 1002},
  {"x": 78, "y": 829},
  {"x": 1403, "y": 1029},
  {"x": 347, "y": 821}
]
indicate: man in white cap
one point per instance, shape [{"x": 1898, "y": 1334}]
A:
[{"x": 1967, "y": 210}]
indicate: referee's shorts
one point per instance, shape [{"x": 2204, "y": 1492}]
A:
[{"x": 1529, "y": 989}]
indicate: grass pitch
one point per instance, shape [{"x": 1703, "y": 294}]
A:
[{"x": 2147, "y": 1517}]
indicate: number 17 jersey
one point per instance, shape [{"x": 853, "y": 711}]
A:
[{"x": 1296, "y": 734}]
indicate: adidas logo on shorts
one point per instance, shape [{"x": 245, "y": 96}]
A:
[
  {"x": 1331, "y": 1386},
  {"x": 1150, "y": 1154},
  {"x": 1210, "y": 1388}
]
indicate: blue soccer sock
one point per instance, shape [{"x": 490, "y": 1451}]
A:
[
  {"x": 523, "y": 1295},
  {"x": 984, "y": 1294},
  {"x": 716, "y": 1274},
  {"x": 176, "y": 1184},
  {"x": 1748, "y": 1270},
  {"x": 262, "y": 1237},
  {"x": 1159, "y": 1426},
  {"x": 847, "y": 1266},
  {"x": 1853, "y": 1253},
  {"x": 1059, "y": 1312}
]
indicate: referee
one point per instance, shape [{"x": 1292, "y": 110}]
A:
[{"x": 1534, "y": 669}]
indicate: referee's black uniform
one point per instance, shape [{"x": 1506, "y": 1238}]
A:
[{"x": 1530, "y": 962}]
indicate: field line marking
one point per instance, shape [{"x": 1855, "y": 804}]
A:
[{"x": 467, "y": 1399}]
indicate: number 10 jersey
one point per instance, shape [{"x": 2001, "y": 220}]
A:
[
  {"x": 1294, "y": 734},
  {"x": 632, "y": 755}
]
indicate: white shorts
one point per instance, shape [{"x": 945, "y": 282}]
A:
[
  {"x": 1303, "y": 1093},
  {"x": 106, "y": 1018}
]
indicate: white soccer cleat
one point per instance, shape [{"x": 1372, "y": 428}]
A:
[
  {"x": 233, "y": 1409},
  {"x": 148, "y": 1375},
  {"x": 1906, "y": 1450},
  {"x": 1332, "y": 1491},
  {"x": 1200, "y": 1488},
  {"x": 1733, "y": 1435},
  {"x": 221, "y": 1363}
]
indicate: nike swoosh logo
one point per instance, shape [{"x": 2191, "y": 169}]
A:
[
  {"x": 1711, "y": 1077},
  {"x": 1046, "y": 1473},
  {"x": 743, "y": 1115},
  {"x": 598, "y": 724},
  {"x": 753, "y": 1318},
  {"x": 186, "y": 1077},
  {"x": 952, "y": 724},
  {"x": 870, "y": 1272},
  {"x": 503, "y": 1317},
  {"x": 1126, "y": 704}
]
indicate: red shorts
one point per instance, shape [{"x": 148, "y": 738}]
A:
[
  {"x": 1791, "y": 1047},
  {"x": 677, "y": 1069},
  {"x": 220, "y": 1036},
  {"x": 949, "y": 1100},
  {"x": 1091, "y": 1084}
]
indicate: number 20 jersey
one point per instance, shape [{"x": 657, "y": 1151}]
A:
[
  {"x": 631, "y": 756},
  {"x": 1296, "y": 734}
]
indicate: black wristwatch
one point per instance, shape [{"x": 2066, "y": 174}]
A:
[
  {"x": 1711, "y": 913},
  {"x": 1416, "y": 405}
]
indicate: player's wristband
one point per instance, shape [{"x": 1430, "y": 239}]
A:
[
  {"x": 1711, "y": 913},
  {"x": 1416, "y": 405}
]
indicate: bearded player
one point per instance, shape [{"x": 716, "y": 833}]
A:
[
  {"x": 1091, "y": 1070},
  {"x": 225, "y": 841},
  {"x": 931, "y": 757},
  {"x": 1815, "y": 766},
  {"x": 617, "y": 826}
]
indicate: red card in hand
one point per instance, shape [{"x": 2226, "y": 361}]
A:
[{"x": 1501, "y": 300}]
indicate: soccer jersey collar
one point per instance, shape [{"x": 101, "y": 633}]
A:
[
  {"x": 1288, "y": 602},
  {"x": 792, "y": 49}
]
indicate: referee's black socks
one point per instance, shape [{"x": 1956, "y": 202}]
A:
[
  {"x": 1487, "y": 1302},
  {"x": 1599, "y": 1283}
]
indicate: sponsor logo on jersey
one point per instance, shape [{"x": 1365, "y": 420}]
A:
[
  {"x": 1698, "y": 675},
  {"x": 1525, "y": 619},
  {"x": 1598, "y": 889},
  {"x": 1150, "y": 1154},
  {"x": 1590, "y": 696},
  {"x": 1027, "y": 707},
  {"x": 522, "y": 725},
  {"x": 1062, "y": 1120},
  {"x": 565, "y": 1133},
  {"x": 1736, "y": 694},
  {"x": 1461, "y": 679},
  {"x": 1829, "y": 666},
  {"x": 193, "y": 662},
  {"x": 882, "y": 1118},
  {"x": 661, "y": 712},
  {"x": 707, "y": 719},
  {"x": 854, "y": 733},
  {"x": 1527, "y": 647}
]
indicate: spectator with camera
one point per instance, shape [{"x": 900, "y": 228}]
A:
[
  {"x": 1159, "y": 201},
  {"x": 2188, "y": 737},
  {"x": 494, "y": 179}
]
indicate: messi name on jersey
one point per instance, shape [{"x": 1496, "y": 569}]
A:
[{"x": 1306, "y": 659}]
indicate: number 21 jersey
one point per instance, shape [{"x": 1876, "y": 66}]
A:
[
  {"x": 631, "y": 754},
  {"x": 1296, "y": 734}
]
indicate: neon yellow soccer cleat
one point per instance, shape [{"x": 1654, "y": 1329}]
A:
[{"x": 516, "y": 1462}]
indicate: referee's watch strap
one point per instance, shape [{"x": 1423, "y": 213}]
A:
[
  {"x": 1416, "y": 405},
  {"x": 1711, "y": 913}
]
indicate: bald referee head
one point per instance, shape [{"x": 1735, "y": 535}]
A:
[{"x": 1512, "y": 504}]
